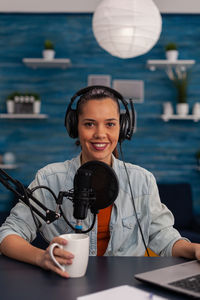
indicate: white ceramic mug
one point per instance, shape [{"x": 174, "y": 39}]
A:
[{"x": 78, "y": 245}]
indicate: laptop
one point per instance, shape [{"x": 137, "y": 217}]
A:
[{"x": 183, "y": 278}]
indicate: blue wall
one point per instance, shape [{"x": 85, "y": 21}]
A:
[{"x": 166, "y": 149}]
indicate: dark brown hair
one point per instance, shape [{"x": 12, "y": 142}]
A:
[{"x": 95, "y": 94}]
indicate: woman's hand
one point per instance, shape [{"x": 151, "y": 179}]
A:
[
  {"x": 197, "y": 250},
  {"x": 63, "y": 257},
  {"x": 183, "y": 248}
]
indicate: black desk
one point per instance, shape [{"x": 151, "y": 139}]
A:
[{"x": 26, "y": 282}]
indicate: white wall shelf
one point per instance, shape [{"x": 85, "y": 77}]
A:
[
  {"x": 164, "y": 64},
  {"x": 173, "y": 69},
  {"x": 167, "y": 118},
  {"x": 60, "y": 63},
  {"x": 8, "y": 166},
  {"x": 23, "y": 116}
]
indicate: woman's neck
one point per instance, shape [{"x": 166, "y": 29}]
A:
[{"x": 83, "y": 160}]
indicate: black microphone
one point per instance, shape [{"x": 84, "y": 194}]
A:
[
  {"x": 95, "y": 187},
  {"x": 83, "y": 193}
]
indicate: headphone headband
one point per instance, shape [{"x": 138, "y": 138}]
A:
[{"x": 127, "y": 119}]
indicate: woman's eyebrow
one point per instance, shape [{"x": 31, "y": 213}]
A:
[
  {"x": 112, "y": 119},
  {"x": 87, "y": 119},
  {"x": 93, "y": 120}
]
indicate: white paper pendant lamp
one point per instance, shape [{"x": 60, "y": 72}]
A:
[{"x": 127, "y": 28}]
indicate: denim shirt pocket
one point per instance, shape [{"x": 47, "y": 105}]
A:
[
  {"x": 131, "y": 221},
  {"x": 127, "y": 236}
]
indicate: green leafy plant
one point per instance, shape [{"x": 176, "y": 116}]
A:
[
  {"x": 35, "y": 95},
  {"x": 181, "y": 85},
  {"x": 171, "y": 46},
  {"x": 12, "y": 96},
  {"x": 180, "y": 79},
  {"x": 48, "y": 45},
  {"x": 18, "y": 94}
]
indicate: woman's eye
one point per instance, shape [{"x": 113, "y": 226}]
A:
[
  {"x": 110, "y": 124},
  {"x": 89, "y": 124}
]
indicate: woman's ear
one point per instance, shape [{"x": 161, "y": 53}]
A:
[{"x": 77, "y": 143}]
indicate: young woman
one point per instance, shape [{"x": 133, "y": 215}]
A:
[{"x": 116, "y": 231}]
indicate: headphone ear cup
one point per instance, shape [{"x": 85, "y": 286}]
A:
[
  {"x": 124, "y": 126},
  {"x": 71, "y": 123}
]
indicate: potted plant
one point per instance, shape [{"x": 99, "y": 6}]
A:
[
  {"x": 171, "y": 52},
  {"x": 23, "y": 103},
  {"x": 181, "y": 84},
  {"x": 10, "y": 102},
  {"x": 48, "y": 52},
  {"x": 10, "y": 105},
  {"x": 36, "y": 104},
  {"x": 179, "y": 79},
  {"x": 35, "y": 100}
]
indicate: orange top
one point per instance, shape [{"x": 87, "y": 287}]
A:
[{"x": 103, "y": 233}]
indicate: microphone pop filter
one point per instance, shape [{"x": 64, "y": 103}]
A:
[{"x": 103, "y": 181}]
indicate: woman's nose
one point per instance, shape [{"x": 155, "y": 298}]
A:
[{"x": 100, "y": 132}]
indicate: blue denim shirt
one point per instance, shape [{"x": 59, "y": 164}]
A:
[{"x": 125, "y": 238}]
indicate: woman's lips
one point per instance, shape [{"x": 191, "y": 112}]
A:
[{"x": 99, "y": 146}]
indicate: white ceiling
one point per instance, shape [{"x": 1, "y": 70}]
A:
[{"x": 165, "y": 6}]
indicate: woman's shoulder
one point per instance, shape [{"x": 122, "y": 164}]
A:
[
  {"x": 60, "y": 167},
  {"x": 141, "y": 179},
  {"x": 132, "y": 168}
]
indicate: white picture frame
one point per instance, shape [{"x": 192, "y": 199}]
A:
[
  {"x": 95, "y": 79},
  {"x": 130, "y": 89}
]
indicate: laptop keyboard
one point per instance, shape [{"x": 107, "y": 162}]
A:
[{"x": 190, "y": 283}]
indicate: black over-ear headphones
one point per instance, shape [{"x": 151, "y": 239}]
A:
[{"x": 127, "y": 119}]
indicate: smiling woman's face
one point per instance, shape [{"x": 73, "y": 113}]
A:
[{"x": 98, "y": 129}]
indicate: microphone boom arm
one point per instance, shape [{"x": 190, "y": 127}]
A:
[
  {"x": 95, "y": 187},
  {"x": 25, "y": 194}
]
